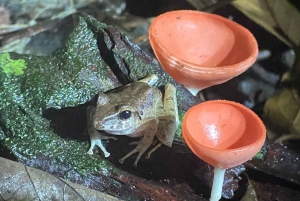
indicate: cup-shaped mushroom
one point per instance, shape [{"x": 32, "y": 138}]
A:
[
  {"x": 200, "y": 49},
  {"x": 223, "y": 133}
]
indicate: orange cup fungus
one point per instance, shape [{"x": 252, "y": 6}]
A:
[
  {"x": 223, "y": 133},
  {"x": 200, "y": 49}
]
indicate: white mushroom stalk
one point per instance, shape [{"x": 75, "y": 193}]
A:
[{"x": 216, "y": 190}]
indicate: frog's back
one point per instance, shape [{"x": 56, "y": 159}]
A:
[{"x": 137, "y": 95}]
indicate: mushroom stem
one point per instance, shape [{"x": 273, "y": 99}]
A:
[
  {"x": 193, "y": 90},
  {"x": 216, "y": 190}
]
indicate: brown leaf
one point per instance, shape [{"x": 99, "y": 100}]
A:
[
  {"x": 19, "y": 182},
  {"x": 4, "y": 13},
  {"x": 250, "y": 194},
  {"x": 281, "y": 112},
  {"x": 277, "y": 16}
]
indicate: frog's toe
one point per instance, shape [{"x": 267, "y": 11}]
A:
[
  {"x": 134, "y": 143},
  {"x": 108, "y": 138},
  {"x": 153, "y": 150},
  {"x": 90, "y": 151},
  {"x": 140, "y": 149},
  {"x": 106, "y": 154}
]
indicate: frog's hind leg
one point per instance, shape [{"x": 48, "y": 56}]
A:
[
  {"x": 168, "y": 121},
  {"x": 153, "y": 150},
  {"x": 170, "y": 103},
  {"x": 140, "y": 148},
  {"x": 144, "y": 144},
  {"x": 151, "y": 79}
]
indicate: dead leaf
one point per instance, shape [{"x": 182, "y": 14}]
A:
[
  {"x": 250, "y": 194},
  {"x": 281, "y": 112},
  {"x": 199, "y": 5},
  {"x": 4, "y": 13},
  {"x": 19, "y": 182},
  {"x": 279, "y": 17}
]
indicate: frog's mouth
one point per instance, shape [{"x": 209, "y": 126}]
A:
[
  {"x": 120, "y": 132},
  {"x": 130, "y": 131},
  {"x": 115, "y": 129},
  {"x": 112, "y": 125}
]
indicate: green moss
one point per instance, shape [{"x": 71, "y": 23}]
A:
[
  {"x": 67, "y": 78},
  {"x": 261, "y": 154},
  {"x": 2, "y": 134},
  {"x": 72, "y": 153},
  {"x": 10, "y": 66}
]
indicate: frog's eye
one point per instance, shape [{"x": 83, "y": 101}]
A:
[{"x": 125, "y": 114}]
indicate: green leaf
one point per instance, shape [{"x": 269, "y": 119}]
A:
[
  {"x": 279, "y": 17},
  {"x": 10, "y": 66}
]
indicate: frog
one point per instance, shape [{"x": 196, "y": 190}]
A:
[{"x": 137, "y": 110}]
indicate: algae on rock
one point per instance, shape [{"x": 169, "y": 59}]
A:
[{"x": 67, "y": 78}]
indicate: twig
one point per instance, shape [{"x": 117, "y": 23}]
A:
[{"x": 28, "y": 32}]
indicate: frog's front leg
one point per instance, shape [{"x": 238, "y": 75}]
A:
[
  {"x": 95, "y": 136},
  {"x": 96, "y": 139},
  {"x": 145, "y": 142}
]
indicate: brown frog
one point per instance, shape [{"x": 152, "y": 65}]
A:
[{"x": 135, "y": 110}]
